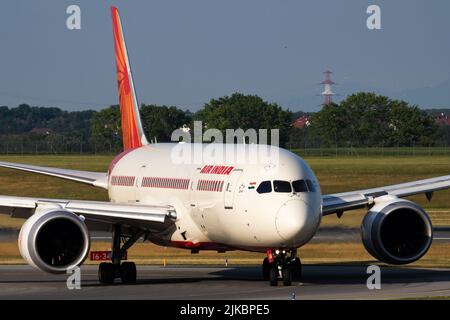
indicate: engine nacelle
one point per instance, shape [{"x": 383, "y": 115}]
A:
[
  {"x": 54, "y": 240},
  {"x": 397, "y": 231}
]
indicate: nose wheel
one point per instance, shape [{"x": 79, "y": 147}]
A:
[{"x": 279, "y": 265}]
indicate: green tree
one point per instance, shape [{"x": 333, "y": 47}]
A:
[
  {"x": 443, "y": 136},
  {"x": 160, "y": 121},
  {"x": 106, "y": 129},
  {"x": 333, "y": 125},
  {"x": 245, "y": 112},
  {"x": 410, "y": 126},
  {"x": 367, "y": 119}
]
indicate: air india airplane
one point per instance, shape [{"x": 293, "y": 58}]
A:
[{"x": 268, "y": 207}]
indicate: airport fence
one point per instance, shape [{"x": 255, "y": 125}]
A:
[
  {"x": 40, "y": 148},
  {"x": 373, "y": 151}
]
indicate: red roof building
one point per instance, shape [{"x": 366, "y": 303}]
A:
[
  {"x": 41, "y": 130},
  {"x": 302, "y": 122},
  {"x": 443, "y": 120}
]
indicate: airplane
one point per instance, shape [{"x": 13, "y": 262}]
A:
[{"x": 271, "y": 208}]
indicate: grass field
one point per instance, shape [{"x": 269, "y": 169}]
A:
[
  {"x": 336, "y": 174},
  {"x": 314, "y": 253}
]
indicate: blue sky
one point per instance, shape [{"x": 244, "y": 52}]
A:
[{"x": 185, "y": 52}]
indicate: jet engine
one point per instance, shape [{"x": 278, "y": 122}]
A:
[
  {"x": 397, "y": 231},
  {"x": 54, "y": 240}
]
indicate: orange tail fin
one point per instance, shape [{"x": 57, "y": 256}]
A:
[{"x": 132, "y": 130}]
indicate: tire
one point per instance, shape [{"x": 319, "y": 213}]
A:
[
  {"x": 128, "y": 272},
  {"x": 297, "y": 269},
  {"x": 273, "y": 276},
  {"x": 287, "y": 276},
  {"x": 106, "y": 273},
  {"x": 266, "y": 269}
]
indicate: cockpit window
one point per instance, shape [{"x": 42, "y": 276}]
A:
[
  {"x": 300, "y": 186},
  {"x": 282, "y": 186},
  {"x": 264, "y": 187},
  {"x": 311, "y": 186}
]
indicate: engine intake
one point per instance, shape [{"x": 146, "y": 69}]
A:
[
  {"x": 54, "y": 240},
  {"x": 397, "y": 231}
]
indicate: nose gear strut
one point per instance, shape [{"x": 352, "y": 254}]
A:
[{"x": 281, "y": 264}]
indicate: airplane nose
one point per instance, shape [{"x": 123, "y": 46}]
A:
[{"x": 291, "y": 218}]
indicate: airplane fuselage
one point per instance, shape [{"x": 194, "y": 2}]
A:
[{"x": 222, "y": 205}]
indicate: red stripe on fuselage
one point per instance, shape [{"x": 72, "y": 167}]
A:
[{"x": 201, "y": 245}]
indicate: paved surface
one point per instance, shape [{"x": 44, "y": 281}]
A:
[
  {"x": 319, "y": 282},
  {"x": 338, "y": 234},
  {"x": 324, "y": 234}
]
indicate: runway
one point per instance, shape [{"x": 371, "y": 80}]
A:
[
  {"x": 324, "y": 234},
  {"x": 232, "y": 283}
]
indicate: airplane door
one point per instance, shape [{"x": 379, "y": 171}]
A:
[
  {"x": 138, "y": 184},
  {"x": 231, "y": 187},
  {"x": 193, "y": 186}
]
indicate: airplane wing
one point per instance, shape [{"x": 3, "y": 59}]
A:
[
  {"x": 96, "y": 212},
  {"x": 99, "y": 215},
  {"x": 340, "y": 202},
  {"x": 97, "y": 179}
]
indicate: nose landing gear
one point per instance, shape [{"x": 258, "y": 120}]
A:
[{"x": 280, "y": 265}]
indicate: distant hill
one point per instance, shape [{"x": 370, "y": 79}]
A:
[
  {"x": 432, "y": 112},
  {"x": 299, "y": 114},
  {"x": 438, "y": 112},
  {"x": 24, "y": 119}
]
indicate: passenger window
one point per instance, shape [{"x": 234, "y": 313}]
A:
[
  {"x": 264, "y": 187},
  {"x": 300, "y": 186},
  {"x": 311, "y": 186},
  {"x": 282, "y": 186}
]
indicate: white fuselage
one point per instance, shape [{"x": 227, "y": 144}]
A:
[{"x": 217, "y": 204}]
